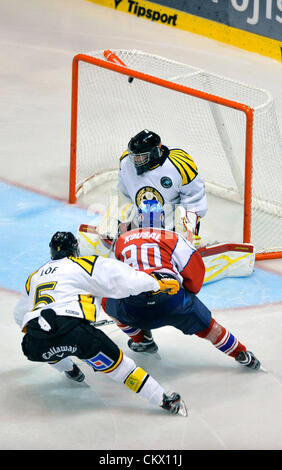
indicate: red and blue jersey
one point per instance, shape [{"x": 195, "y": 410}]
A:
[{"x": 152, "y": 250}]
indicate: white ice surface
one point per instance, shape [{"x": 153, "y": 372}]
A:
[{"x": 230, "y": 407}]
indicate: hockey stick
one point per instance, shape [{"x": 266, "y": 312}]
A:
[
  {"x": 111, "y": 57},
  {"x": 102, "y": 322}
]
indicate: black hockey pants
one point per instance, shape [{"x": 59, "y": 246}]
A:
[{"x": 68, "y": 337}]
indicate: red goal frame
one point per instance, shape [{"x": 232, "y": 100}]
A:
[{"x": 134, "y": 74}]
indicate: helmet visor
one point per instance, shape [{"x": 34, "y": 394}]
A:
[{"x": 139, "y": 159}]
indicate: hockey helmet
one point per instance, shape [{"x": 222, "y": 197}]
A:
[
  {"x": 151, "y": 214},
  {"x": 144, "y": 150},
  {"x": 63, "y": 244}
]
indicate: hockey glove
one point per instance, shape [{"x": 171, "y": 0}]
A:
[
  {"x": 188, "y": 224},
  {"x": 168, "y": 284}
]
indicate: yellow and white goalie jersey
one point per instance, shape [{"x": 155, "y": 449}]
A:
[
  {"x": 75, "y": 287},
  {"x": 175, "y": 181}
]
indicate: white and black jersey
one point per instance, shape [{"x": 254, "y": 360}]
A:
[
  {"x": 74, "y": 287},
  {"x": 174, "y": 181}
]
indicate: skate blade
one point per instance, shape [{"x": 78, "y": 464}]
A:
[{"x": 183, "y": 411}]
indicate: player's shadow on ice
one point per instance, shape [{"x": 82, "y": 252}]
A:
[{"x": 45, "y": 391}]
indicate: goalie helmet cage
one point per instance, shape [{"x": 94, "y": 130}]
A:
[{"x": 229, "y": 128}]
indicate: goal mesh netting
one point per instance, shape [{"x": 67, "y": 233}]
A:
[{"x": 109, "y": 111}]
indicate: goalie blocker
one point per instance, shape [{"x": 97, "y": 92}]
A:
[{"x": 221, "y": 260}]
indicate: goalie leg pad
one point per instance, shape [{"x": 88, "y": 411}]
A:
[
  {"x": 91, "y": 244},
  {"x": 227, "y": 260}
]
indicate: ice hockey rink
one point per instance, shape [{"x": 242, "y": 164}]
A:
[{"x": 230, "y": 407}]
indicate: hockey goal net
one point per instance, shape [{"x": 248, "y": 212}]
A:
[{"x": 229, "y": 128}]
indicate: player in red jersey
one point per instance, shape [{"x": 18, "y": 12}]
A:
[{"x": 167, "y": 254}]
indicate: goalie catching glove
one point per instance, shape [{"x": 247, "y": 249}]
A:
[{"x": 168, "y": 284}]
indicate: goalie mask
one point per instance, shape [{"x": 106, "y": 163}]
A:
[
  {"x": 63, "y": 244},
  {"x": 151, "y": 214},
  {"x": 144, "y": 150}
]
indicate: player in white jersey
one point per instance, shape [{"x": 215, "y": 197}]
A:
[
  {"x": 151, "y": 171},
  {"x": 60, "y": 302}
]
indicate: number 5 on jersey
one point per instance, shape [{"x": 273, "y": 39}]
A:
[{"x": 41, "y": 297}]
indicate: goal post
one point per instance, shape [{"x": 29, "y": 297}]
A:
[{"x": 196, "y": 110}]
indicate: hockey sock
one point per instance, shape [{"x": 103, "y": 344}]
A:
[
  {"x": 64, "y": 365},
  {"x": 222, "y": 339},
  {"x": 137, "y": 380},
  {"x": 141, "y": 382},
  {"x": 135, "y": 334}
]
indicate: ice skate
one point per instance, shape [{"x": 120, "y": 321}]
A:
[
  {"x": 148, "y": 344},
  {"x": 248, "y": 359},
  {"x": 174, "y": 405},
  {"x": 75, "y": 374}
]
